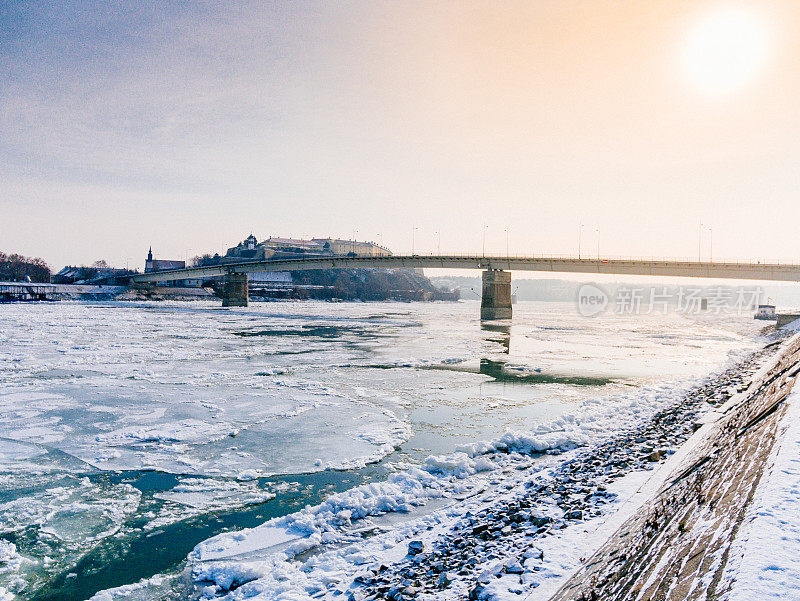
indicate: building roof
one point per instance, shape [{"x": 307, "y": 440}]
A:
[{"x": 293, "y": 241}]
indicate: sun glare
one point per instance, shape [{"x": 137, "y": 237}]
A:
[{"x": 724, "y": 51}]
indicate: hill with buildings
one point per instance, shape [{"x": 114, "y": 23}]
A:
[{"x": 346, "y": 284}]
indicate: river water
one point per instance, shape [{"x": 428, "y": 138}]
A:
[{"x": 133, "y": 431}]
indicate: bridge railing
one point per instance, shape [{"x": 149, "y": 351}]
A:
[{"x": 602, "y": 257}]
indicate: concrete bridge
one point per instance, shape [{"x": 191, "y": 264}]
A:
[{"x": 496, "y": 293}]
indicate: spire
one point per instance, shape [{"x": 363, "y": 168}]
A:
[{"x": 150, "y": 254}]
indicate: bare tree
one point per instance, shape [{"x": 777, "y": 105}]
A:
[{"x": 16, "y": 268}]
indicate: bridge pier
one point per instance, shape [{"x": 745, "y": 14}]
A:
[
  {"x": 234, "y": 290},
  {"x": 496, "y": 295}
]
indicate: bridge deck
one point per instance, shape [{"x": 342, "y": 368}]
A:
[{"x": 655, "y": 267}]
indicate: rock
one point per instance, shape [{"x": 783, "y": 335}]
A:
[
  {"x": 480, "y": 529},
  {"x": 365, "y": 578},
  {"x": 476, "y": 592},
  {"x": 575, "y": 514},
  {"x": 486, "y": 577},
  {"x": 513, "y": 567},
  {"x": 416, "y": 547},
  {"x": 654, "y": 456},
  {"x": 444, "y": 580},
  {"x": 395, "y": 594},
  {"x": 520, "y": 516},
  {"x": 540, "y": 520}
]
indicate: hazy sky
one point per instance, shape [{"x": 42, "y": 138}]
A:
[{"x": 189, "y": 125}]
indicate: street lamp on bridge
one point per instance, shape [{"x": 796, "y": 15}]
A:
[
  {"x": 597, "y": 231},
  {"x": 700, "y": 242},
  {"x": 710, "y": 244}
]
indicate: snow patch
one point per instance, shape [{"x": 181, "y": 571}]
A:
[{"x": 764, "y": 562}]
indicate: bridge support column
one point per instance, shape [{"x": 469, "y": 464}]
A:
[
  {"x": 496, "y": 296},
  {"x": 234, "y": 290}
]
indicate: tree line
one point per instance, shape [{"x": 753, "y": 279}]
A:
[{"x": 15, "y": 268}]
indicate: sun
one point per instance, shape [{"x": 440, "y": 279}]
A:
[{"x": 724, "y": 51}]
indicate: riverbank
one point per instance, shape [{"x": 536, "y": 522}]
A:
[
  {"x": 516, "y": 534},
  {"x": 678, "y": 545}
]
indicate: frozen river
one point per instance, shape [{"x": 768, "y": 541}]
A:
[{"x": 133, "y": 431}]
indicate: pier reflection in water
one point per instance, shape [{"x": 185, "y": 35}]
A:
[
  {"x": 499, "y": 333},
  {"x": 502, "y": 370}
]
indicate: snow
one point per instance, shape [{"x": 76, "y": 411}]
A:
[
  {"x": 400, "y": 493},
  {"x": 180, "y": 431},
  {"x": 144, "y": 590},
  {"x": 764, "y": 559},
  {"x": 259, "y": 562},
  {"x": 589, "y": 421},
  {"x": 209, "y": 494},
  {"x": 11, "y": 563}
]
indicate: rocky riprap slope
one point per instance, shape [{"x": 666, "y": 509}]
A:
[{"x": 676, "y": 547}]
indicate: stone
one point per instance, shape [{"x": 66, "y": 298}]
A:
[
  {"x": 395, "y": 594},
  {"x": 479, "y": 529},
  {"x": 415, "y": 547},
  {"x": 445, "y": 579},
  {"x": 540, "y": 520},
  {"x": 513, "y": 567},
  {"x": 365, "y": 578}
]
